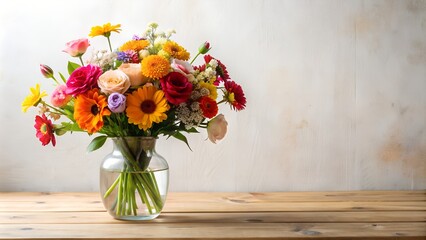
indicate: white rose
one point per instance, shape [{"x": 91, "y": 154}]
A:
[
  {"x": 114, "y": 81},
  {"x": 134, "y": 72},
  {"x": 217, "y": 128}
]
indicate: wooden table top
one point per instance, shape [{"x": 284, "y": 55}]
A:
[{"x": 278, "y": 215}]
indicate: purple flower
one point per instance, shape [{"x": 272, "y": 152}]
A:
[
  {"x": 136, "y": 37},
  {"x": 129, "y": 56},
  {"x": 117, "y": 102}
]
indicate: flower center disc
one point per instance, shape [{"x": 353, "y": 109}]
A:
[
  {"x": 148, "y": 106},
  {"x": 94, "y": 109}
]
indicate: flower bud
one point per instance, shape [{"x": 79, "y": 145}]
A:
[
  {"x": 204, "y": 48},
  {"x": 216, "y": 128},
  {"x": 46, "y": 71}
]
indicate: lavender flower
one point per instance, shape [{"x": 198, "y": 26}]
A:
[
  {"x": 117, "y": 102},
  {"x": 129, "y": 56}
]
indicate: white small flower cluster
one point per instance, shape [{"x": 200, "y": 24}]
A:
[
  {"x": 209, "y": 73},
  {"x": 103, "y": 59},
  {"x": 190, "y": 115}
]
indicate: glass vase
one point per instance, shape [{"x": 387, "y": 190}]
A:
[{"x": 134, "y": 179}]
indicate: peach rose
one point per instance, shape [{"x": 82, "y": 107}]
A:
[
  {"x": 114, "y": 81},
  {"x": 134, "y": 72},
  {"x": 217, "y": 128}
]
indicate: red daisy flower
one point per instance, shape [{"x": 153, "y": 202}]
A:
[
  {"x": 208, "y": 106},
  {"x": 44, "y": 128},
  {"x": 222, "y": 73},
  {"x": 235, "y": 96}
]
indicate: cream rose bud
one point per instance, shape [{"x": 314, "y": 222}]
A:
[
  {"x": 114, "y": 81},
  {"x": 134, "y": 72},
  {"x": 217, "y": 128}
]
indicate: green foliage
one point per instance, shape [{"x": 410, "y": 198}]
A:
[
  {"x": 72, "y": 66},
  {"x": 97, "y": 143}
]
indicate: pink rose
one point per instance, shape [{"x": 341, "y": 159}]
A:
[
  {"x": 78, "y": 47},
  {"x": 176, "y": 87},
  {"x": 59, "y": 97},
  {"x": 134, "y": 72},
  {"x": 114, "y": 81},
  {"x": 182, "y": 66},
  {"x": 83, "y": 79},
  {"x": 216, "y": 128}
]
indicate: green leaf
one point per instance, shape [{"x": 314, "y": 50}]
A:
[
  {"x": 97, "y": 143},
  {"x": 118, "y": 64},
  {"x": 181, "y": 137},
  {"x": 192, "y": 130},
  {"x": 62, "y": 77},
  {"x": 72, "y": 66},
  {"x": 72, "y": 127}
]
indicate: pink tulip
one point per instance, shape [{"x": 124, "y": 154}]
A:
[{"x": 78, "y": 47}]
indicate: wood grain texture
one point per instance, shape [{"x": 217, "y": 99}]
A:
[{"x": 275, "y": 215}]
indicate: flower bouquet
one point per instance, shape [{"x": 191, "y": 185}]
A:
[{"x": 147, "y": 87}]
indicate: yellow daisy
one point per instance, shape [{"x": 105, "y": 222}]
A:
[
  {"x": 104, "y": 30},
  {"x": 211, "y": 88},
  {"x": 176, "y": 51},
  {"x": 135, "y": 45},
  {"x": 33, "y": 98},
  {"x": 145, "y": 106},
  {"x": 155, "y": 66}
]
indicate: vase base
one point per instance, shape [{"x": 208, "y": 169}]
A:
[{"x": 137, "y": 218}]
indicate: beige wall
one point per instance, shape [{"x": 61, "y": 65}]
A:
[{"x": 336, "y": 93}]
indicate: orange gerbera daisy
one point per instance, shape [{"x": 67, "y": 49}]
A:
[
  {"x": 155, "y": 66},
  {"x": 176, "y": 51},
  {"x": 135, "y": 45},
  {"x": 89, "y": 109},
  {"x": 104, "y": 30},
  {"x": 145, "y": 106}
]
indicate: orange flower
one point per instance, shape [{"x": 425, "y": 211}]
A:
[
  {"x": 155, "y": 66},
  {"x": 145, "y": 106},
  {"x": 176, "y": 51},
  {"x": 135, "y": 45},
  {"x": 89, "y": 109}
]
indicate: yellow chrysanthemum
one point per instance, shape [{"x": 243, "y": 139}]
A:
[
  {"x": 176, "y": 51},
  {"x": 145, "y": 106},
  {"x": 211, "y": 88},
  {"x": 155, "y": 66},
  {"x": 135, "y": 45},
  {"x": 33, "y": 98},
  {"x": 104, "y": 30}
]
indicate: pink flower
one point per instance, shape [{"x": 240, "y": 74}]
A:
[
  {"x": 59, "y": 97},
  {"x": 176, "y": 87},
  {"x": 217, "y": 128},
  {"x": 83, "y": 79},
  {"x": 182, "y": 66},
  {"x": 46, "y": 71},
  {"x": 76, "y": 48}
]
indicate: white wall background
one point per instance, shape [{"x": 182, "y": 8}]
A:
[{"x": 335, "y": 89}]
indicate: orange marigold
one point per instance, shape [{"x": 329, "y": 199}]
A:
[
  {"x": 176, "y": 51},
  {"x": 135, "y": 45},
  {"x": 89, "y": 109},
  {"x": 155, "y": 66}
]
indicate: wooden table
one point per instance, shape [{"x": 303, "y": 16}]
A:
[{"x": 290, "y": 215}]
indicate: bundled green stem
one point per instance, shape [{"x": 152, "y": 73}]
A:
[{"x": 136, "y": 180}]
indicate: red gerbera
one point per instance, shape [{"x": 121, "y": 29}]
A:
[
  {"x": 208, "y": 106},
  {"x": 45, "y": 131},
  {"x": 235, "y": 96}
]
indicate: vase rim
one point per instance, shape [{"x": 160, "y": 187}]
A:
[{"x": 144, "y": 137}]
